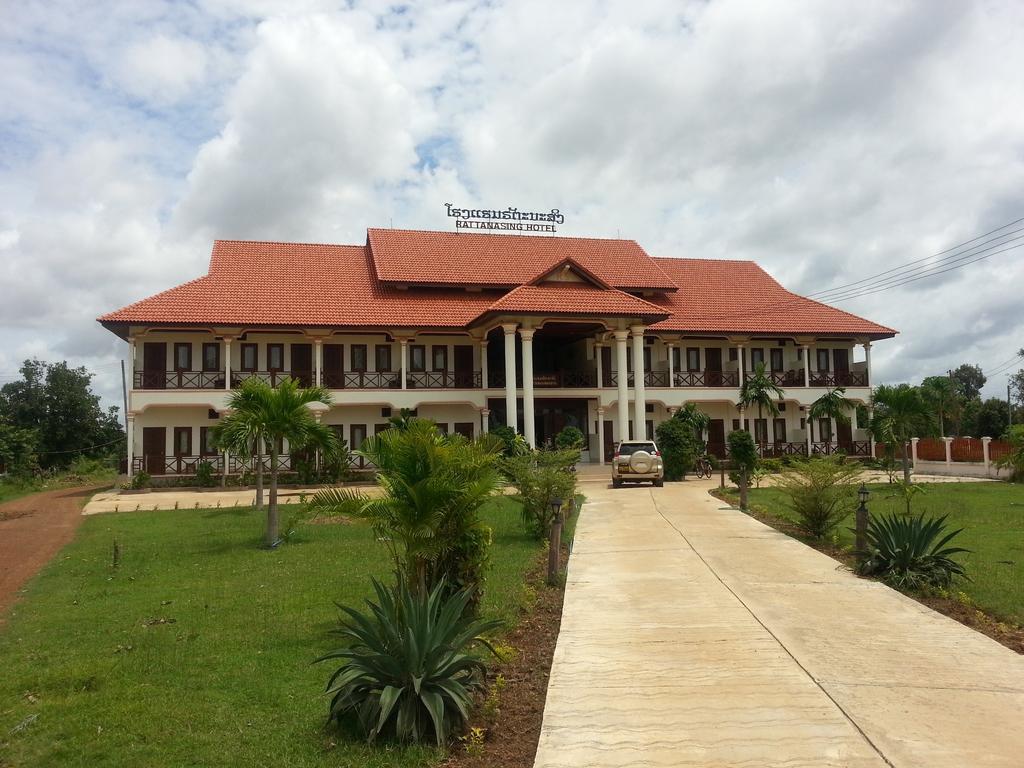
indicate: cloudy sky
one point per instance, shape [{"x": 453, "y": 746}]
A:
[{"x": 829, "y": 141}]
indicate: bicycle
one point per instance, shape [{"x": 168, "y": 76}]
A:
[{"x": 703, "y": 467}]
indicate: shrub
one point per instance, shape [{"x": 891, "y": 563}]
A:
[
  {"x": 771, "y": 465},
  {"x": 140, "y": 480},
  {"x": 540, "y": 478},
  {"x": 204, "y": 475},
  {"x": 743, "y": 454},
  {"x": 569, "y": 438},
  {"x": 513, "y": 444},
  {"x": 1015, "y": 458},
  {"x": 821, "y": 492},
  {"x": 406, "y": 673},
  {"x": 679, "y": 446},
  {"x": 911, "y": 552}
]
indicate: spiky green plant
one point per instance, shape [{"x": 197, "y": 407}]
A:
[
  {"x": 832, "y": 405},
  {"x": 911, "y": 552},
  {"x": 406, "y": 672}
]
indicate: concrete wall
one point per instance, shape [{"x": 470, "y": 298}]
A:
[{"x": 960, "y": 469}]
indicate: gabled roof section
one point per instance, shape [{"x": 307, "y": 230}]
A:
[
  {"x": 260, "y": 283},
  {"x": 575, "y": 299},
  {"x": 569, "y": 268},
  {"x": 718, "y": 296},
  {"x": 504, "y": 261}
]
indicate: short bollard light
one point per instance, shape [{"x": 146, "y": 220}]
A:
[
  {"x": 861, "y": 544},
  {"x": 555, "y": 542}
]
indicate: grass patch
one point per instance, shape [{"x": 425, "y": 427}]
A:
[
  {"x": 15, "y": 488},
  {"x": 196, "y": 651},
  {"x": 991, "y": 514}
]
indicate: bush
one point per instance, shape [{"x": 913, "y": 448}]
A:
[
  {"x": 140, "y": 480},
  {"x": 540, "y": 478},
  {"x": 911, "y": 552},
  {"x": 406, "y": 673},
  {"x": 1015, "y": 459},
  {"x": 743, "y": 454},
  {"x": 204, "y": 475},
  {"x": 569, "y": 438},
  {"x": 513, "y": 443},
  {"x": 771, "y": 465},
  {"x": 821, "y": 492},
  {"x": 679, "y": 446}
]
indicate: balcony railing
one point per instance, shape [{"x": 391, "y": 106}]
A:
[
  {"x": 839, "y": 379},
  {"x": 707, "y": 379},
  {"x": 179, "y": 380},
  {"x": 443, "y": 380},
  {"x": 273, "y": 378},
  {"x": 779, "y": 450},
  {"x": 362, "y": 380},
  {"x": 175, "y": 465}
]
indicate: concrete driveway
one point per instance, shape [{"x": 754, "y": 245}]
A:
[{"x": 693, "y": 635}]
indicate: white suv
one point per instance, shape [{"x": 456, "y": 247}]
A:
[{"x": 637, "y": 460}]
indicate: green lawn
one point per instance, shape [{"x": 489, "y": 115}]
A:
[
  {"x": 992, "y": 516},
  {"x": 197, "y": 650}
]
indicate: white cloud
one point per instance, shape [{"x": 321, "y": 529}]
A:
[{"x": 161, "y": 69}]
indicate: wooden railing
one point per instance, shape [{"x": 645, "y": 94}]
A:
[
  {"x": 175, "y": 465},
  {"x": 770, "y": 450},
  {"x": 178, "y": 380},
  {"x": 362, "y": 380},
  {"x": 273, "y": 378},
  {"x": 707, "y": 379},
  {"x": 837, "y": 379},
  {"x": 442, "y": 380}
]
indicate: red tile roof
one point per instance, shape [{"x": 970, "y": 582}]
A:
[
  {"x": 294, "y": 284},
  {"x": 575, "y": 299},
  {"x": 471, "y": 258},
  {"x": 718, "y": 296}
]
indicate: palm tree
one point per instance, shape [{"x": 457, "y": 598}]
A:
[
  {"x": 832, "y": 405},
  {"x": 940, "y": 393},
  {"x": 696, "y": 418},
  {"x": 900, "y": 411},
  {"x": 241, "y": 433},
  {"x": 433, "y": 486},
  {"x": 265, "y": 416},
  {"x": 759, "y": 389}
]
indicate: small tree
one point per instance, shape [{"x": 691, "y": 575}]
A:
[
  {"x": 743, "y": 453},
  {"x": 832, "y": 405},
  {"x": 679, "y": 446},
  {"x": 759, "y": 389},
  {"x": 821, "y": 492},
  {"x": 570, "y": 438},
  {"x": 900, "y": 411}
]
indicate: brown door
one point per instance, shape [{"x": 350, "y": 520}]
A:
[
  {"x": 844, "y": 436},
  {"x": 463, "y": 366},
  {"x": 609, "y": 442},
  {"x": 357, "y": 433},
  {"x": 464, "y": 428},
  {"x": 780, "y": 430},
  {"x": 606, "y": 369},
  {"x": 154, "y": 365},
  {"x": 302, "y": 364},
  {"x": 713, "y": 368},
  {"x": 841, "y": 359},
  {"x": 334, "y": 366},
  {"x": 716, "y": 436},
  {"x": 154, "y": 449}
]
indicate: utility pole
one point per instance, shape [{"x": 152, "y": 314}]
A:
[{"x": 1009, "y": 404}]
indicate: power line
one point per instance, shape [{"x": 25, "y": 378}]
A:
[
  {"x": 80, "y": 450},
  {"x": 1003, "y": 368}
]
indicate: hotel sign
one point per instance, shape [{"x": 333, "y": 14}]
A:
[{"x": 509, "y": 219}]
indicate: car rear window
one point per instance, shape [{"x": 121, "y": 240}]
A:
[{"x": 627, "y": 449}]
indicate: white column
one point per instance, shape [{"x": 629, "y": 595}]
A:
[
  {"x": 807, "y": 365},
  {"x": 510, "y": 375},
  {"x": 318, "y": 354},
  {"x": 131, "y": 363},
  {"x": 949, "y": 450},
  {"x": 403, "y": 357},
  {"x": 529, "y": 428},
  {"x": 913, "y": 450},
  {"x": 227, "y": 362},
  {"x": 623, "y": 383},
  {"x": 130, "y": 435},
  {"x": 485, "y": 420},
  {"x": 671, "y": 365},
  {"x": 871, "y": 418},
  {"x": 807, "y": 423},
  {"x": 639, "y": 395},
  {"x": 600, "y": 436},
  {"x": 985, "y": 452},
  {"x": 739, "y": 356},
  {"x": 600, "y": 365},
  {"x": 483, "y": 365},
  {"x": 867, "y": 362}
]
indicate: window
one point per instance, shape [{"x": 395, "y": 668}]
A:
[
  {"x": 776, "y": 358},
  {"x": 825, "y": 430},
  {"x": 676, "y": 359},
  {"x": 647, "y": 359},
  {"x": 823, "y": 356},
  {"x": 761, "y": 430},
  {"x": 383, "y": 357},
  {"x": 442, "y": 427},
  {"x": 417, "y": 357},
  {"x": 692, "y": 358},
  {"x": 357, "y": 357},
  {"x": 275, "y": 357},
  {"x": 211, "y": 357},
  {"x": 464, "y": 428},
  {"x": 250, "y": 357},
  {"x": 733, "y": 355},
  {"x": 206, "y": 446},
  {"x": 439, "y": 357},
  {"x": 183, "y": 441},
  {"x": 756, "y": 356},
  {"x": 183, "y": 357},
  {"x": 358, "y": 433},
  {"x": 780, "y": 430},
  {"x": 631, "y": 447}
]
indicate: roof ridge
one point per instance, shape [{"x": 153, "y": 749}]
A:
[
  {"x": 286, "y": 242},
  {"x": 510, "y": 234},
  {"x": 706, "y": 259}
]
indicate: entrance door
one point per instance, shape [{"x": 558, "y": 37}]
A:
[
  {"x": 606, "y": 366},
  {"x": 154, "y": 365},
  {"x": 463, "y": 361},
  {"x": 844, "y": 436},
  {"x": 302, "y": 364},
  {"x": 154, "y": 449},
  {"x": 334, "y": 366},
  {"x": 716, "y": 437},
  {"x": 357, "y": 432},
  {"x": 713, "y": 368},
  {"x": 842, "y": 366},
  {"x": 609, "y": 440}
]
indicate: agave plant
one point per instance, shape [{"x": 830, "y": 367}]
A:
[
  {"x": 911, "y": 552},
  {"x": 406, "y": 673}
]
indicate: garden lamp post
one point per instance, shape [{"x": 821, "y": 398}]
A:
[
  {"x": 862, "y": 521},
  {"x": 555, "y": 542}
]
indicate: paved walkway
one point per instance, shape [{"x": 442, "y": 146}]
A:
[{"x": 693, "y": 635}]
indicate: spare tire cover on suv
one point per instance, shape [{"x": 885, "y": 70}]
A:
[{"x": 641, "y": 462}]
